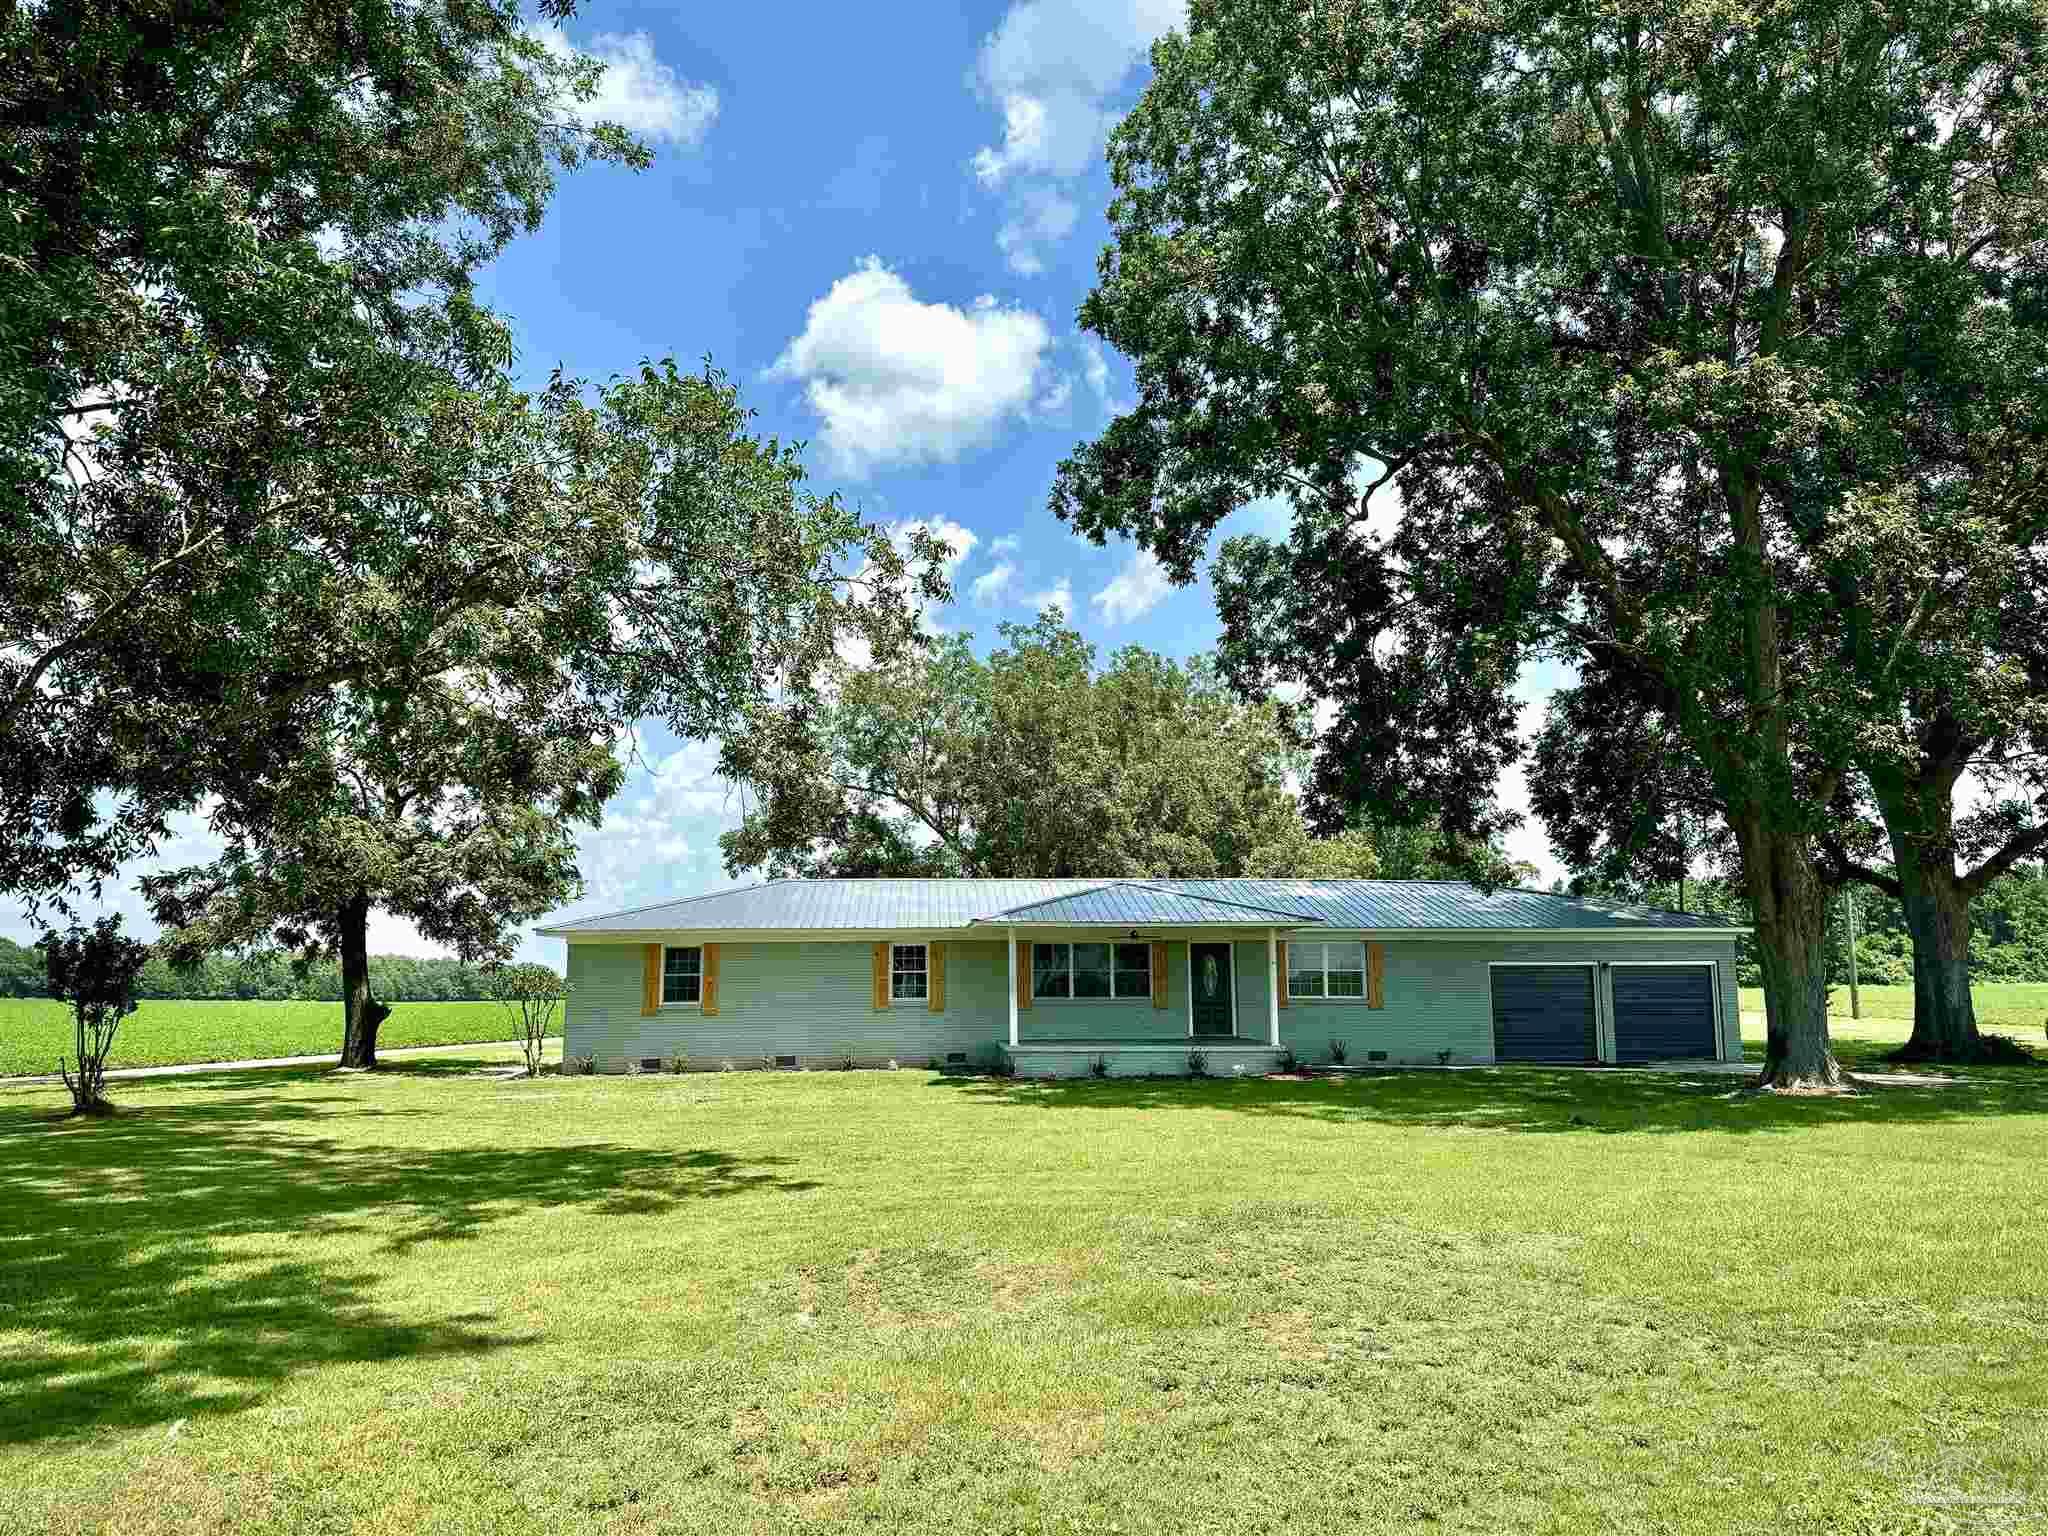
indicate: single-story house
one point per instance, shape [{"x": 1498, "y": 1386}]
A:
[{"x": 801, "y": 973}]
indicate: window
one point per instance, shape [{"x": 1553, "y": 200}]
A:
[
  {"x": 1091, "y": 970},
  {"x": 908, "y": 976},
  {"x": 1326, "y": 970},
  {"x": 682, "y": 975}
]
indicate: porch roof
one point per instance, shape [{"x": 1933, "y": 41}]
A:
[{"x": 1126, "y": 903}]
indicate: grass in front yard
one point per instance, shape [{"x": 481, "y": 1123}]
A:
[
  {"x": 1489, "y": 1301},
  {"x": 36, "y": 1031},
  {"x": 2018, "y": 1009}
]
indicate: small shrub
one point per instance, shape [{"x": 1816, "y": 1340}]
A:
[
  {"x": 1338, "y": 1051},
  {"x": 579, "y": 1066},
  {"x": 846, "y": 1058},
  {"x": 532, "y": 997},
  {"x": 95, "y": 970},
  {"x": 1443, "y": 1058},
  {"x": 633, "y": 1067},
  {"x": 997, "y": 1062},
  {"x": 1099, "y": 1065},
  {"x": 1289, "y": 1062},
  {"x": 767, "y": 1062},
  {"x": 677, "y": 1063},
  {"x": 1198, "y": 1062},
  {"x": 935, "y": 1065}
]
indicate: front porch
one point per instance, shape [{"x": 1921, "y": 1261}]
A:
[{"x": 1223, "y": 1056}]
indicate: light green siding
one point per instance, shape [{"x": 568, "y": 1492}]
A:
[
  {"x": 813, "y": 1000},
  {"x": 1119, "y": 1018},
  {"x": 1439, "y": 996}
]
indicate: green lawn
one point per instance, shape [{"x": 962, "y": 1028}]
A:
[
  {"x": 434, "y": 1300},
  {"x": 2018, "y": 1009},
  {"x": 35, "y": 1031}
]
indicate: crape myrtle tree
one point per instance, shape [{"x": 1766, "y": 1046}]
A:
[
  {"x": 230, "y": 236},
  {"x": 541, "y": 573},
  {"x": 93, "y": 972},
  {"x": 1031, "y": 763},
  {"x": 1641, "y": 313}
]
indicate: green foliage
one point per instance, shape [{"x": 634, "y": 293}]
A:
[
  {"x": 1031, "y": 763},
  {"x": 532, "y": 997},
  {"x": 1198, "y": 1062},
  {"x": 93, "y": 972},
  {"x": 1704, "y": 350},
  {"x": 232, "y": 238}
]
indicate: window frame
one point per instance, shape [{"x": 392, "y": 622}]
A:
[
  {"x": 1068, "y": 971},
  {"x": 680, "y": 949},
  {"x": 1322, "y": 971},
  {"x": 924, "y": 949}
]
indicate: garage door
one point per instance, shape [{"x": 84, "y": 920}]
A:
[
  {"x": 1663, "y": 1011},
  {"x": 1543, "y": 1013}
]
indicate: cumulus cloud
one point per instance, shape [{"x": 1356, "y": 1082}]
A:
[
  {"x": 638, "y": 92},
  {"x": 1095, "y": 369},
  {"x": 1051, "y": 68},
  {"x": 1134, "y": 591},
  {"x": 896, "y": 380},
  {"x": 988, "y": 588},
  {"x": 1059, "y": 595}
]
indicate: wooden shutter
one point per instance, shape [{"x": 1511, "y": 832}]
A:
[
  {"x": 1158, "y": 974},
  {"x": 881, "y": 977},
  {"x": 1280, "y": 960},
  {"x": 935, "y": 977},
  {"x": 650, "y": 980},
  {"x": 1023, "y": 974},
  {"x": 708, "y": 984},
  {"x": 1375, "y": 975}
]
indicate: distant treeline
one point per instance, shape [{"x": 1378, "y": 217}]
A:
[
  {"x": 2008, "y": 927},
  {"x": 270, "y": 975}
]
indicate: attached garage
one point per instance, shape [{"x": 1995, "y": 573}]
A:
[
  {"x": 1663, "y": 1012},
  {"x": 1544, "y": 1013}
]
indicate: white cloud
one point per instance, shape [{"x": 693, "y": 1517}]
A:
[
  {"x": 639, "y": 92},
  {"x": 1134, "y": 591},
  {"x": 1095, "y": 369},
  {"x": 1008, "y": 544},
  {"x": 1059, "y": 595},
  {"x": 1056, "y": 398},
  {"x": 899, "y": 381},
  {"x": 988, "y": 588},
  {"x": 1040, "y": 217},
  {"x": 1052, "y": 68}
]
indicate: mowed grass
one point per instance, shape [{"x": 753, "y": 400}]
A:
[
  {"x": 2017, "y": 1009},
  {"x": 1488, "y": 1301},
  {"x": 36, "y": 1031}
]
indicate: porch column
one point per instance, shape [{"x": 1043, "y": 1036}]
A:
[
  {"x": 1010, "y": 945},
  {"x": 1273, "y": 983}
]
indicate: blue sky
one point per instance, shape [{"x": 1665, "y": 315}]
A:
[{"x": 880, "y": 221}]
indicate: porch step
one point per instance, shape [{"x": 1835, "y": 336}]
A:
[{"x": 1129, "y": 1058}]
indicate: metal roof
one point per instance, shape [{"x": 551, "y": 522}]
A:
[
  {"x": 1437, "y": 905},
  {"x": 1143, "y": 901}
]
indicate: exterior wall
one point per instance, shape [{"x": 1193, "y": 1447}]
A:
[
  {"x": 1101, "y": 1018},
  {"x": 1439, "y": 997},
  {"x": 810, "y": 1000}
]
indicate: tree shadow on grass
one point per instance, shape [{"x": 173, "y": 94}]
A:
[
  {"x": 154, "y": 1261},
  {"x": 1531, "y": 1099}
]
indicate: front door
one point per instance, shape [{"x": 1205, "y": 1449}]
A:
[{"x": 1211, "y": 988}]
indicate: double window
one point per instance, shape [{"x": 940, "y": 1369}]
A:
[
  {"x": 682, "y": 975},
  {"x": 1333, "y": 969},
  {"x": 1091, "y": 970},
  {"x": 909, "y": 973}
]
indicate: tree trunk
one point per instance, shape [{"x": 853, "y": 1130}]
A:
[
  {"x": 1791, "y": 945},
  {"x": 361, "y": 1013},
  {"x": 1938, "y": 918},
  {"x": 1919, "y": 819}
]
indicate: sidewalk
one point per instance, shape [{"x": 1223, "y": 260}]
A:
[{"x": 193, "y": 1068}]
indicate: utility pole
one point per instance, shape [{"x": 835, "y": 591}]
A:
[{"x": 1855, "y": 997}]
